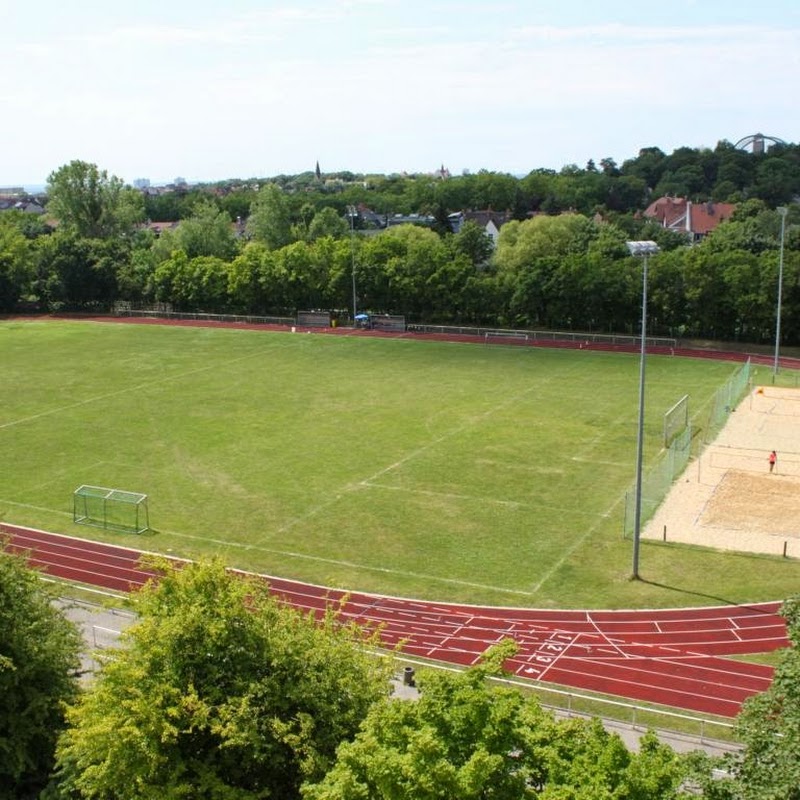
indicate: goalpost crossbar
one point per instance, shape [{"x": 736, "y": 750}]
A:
[
  {"x": 112, "y": 509},
  {"x": 505, "y": 336}
]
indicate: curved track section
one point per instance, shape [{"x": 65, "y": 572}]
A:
[{"x": 675, "y": 657}]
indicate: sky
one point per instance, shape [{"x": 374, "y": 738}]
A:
[{"x": 208, "y": 90}]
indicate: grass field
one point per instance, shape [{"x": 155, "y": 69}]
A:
[{"x": 447, "y": 471}]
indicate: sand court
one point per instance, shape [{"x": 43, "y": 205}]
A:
[{"x": 727, "y": 498}]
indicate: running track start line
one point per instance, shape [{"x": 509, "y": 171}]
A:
[{"x": 674, "y": 657}]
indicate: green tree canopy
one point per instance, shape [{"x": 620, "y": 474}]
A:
[
  {"x": 217, "y": 692},
  {"x": 93, "y": 204},
  {"x": 467, "y": 739},
  {"x": 16, "y": 264},
  {"x": 270, "y": 221},
  {"x": 769, "y": 727},
  {"x": 39, "y": 661},
  {"x": 208, "y": 232},
  {"x": 327, "y": 222}
]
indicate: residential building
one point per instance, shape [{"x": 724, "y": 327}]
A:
[{"x": 696, "y": 220}]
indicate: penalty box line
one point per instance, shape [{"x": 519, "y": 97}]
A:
[
  {"x": 348, "y": 564},
  {"x": 365, "y": 482},
  {"x": 138, "y": 388},
  {"x": 477, "y": 499}
]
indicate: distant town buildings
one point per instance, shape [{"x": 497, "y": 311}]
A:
[
  {"x": 488, "y": 220},
  {"x": 696, "y": 220},
  {"x": 15, "y": 198}
]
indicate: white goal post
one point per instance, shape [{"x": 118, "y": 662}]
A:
[
  {"x": 676, "y": 419},
  {"x": 112, "y": 509},
  {"x": 502, "y": 337}
]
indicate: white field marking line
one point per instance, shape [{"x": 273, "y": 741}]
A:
[
  {"x": 575, "y": 545},
  {"x": 450, "y": 495},
  {"x": 450, "y": 434},
  {"x": 581, "y": 539},
  {"x": 364, "y": 483},
  {"x": 342, "y": 563},
  {"x": 35, "y": 508},
  {"x": 495, "y": 501},
  {"x": 304, "y": 556},
  {"x": 58, "y": 475},
  {"x": 137, "y": 388},
  {"x": 583, "y": 460}
]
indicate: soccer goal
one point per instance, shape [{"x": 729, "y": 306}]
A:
[
  {"x": 505, "y": 337},
  {"x": 112, "y": 509},
  {"x": 676, "y": 420}
]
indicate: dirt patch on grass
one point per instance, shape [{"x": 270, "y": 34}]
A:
[{"x": 727, "y": 498}]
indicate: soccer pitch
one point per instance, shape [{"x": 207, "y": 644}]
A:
[{"x": 485, "y": 474}]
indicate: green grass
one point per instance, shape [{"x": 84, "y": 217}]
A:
[{"x": 438, "y": 470}]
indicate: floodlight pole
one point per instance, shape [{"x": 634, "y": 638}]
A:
[
  {"x": 351, "y": 212},
  {"x": 644, "y": 249},
  {"x": 782, "y": 210}
]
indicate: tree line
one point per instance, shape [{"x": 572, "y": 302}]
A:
[
  {"x": 722, "y": 174},
  {"x": 568, "y": 270},
  {"x": 220, "y": 691}
]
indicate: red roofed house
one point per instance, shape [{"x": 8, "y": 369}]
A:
[{"x": 696, "y": 220}]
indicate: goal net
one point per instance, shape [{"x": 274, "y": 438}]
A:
[
  {"x": 676, "y": 419},
  {"x": 505, "y": 337},
  {"x": 748, "y": 459},
  {"x": 113, "y": 509}
]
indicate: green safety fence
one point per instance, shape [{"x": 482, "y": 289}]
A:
[
  {"x": 655, "y": 485},
  {"x": 725, "y": 399},
  {"x": 673, "y": 461}
]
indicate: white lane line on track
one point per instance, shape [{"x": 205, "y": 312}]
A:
[{"x": 606, "y": 638}]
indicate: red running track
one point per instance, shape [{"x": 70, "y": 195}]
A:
[{"x": 675, "y": 657}]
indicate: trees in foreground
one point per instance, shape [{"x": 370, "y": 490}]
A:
[
  {"x": 769, "y": 728},
  {"x": 218, "y": 692},
  {"x": 39, "y": 661},
  {"x": 465, "y": 738}
]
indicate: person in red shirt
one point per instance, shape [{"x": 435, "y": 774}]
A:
[{"x": 773, "y": 460}]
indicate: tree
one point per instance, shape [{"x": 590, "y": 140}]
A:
[
  {"x": 269, "y": 220},
  {"x": 520, "y": 243},
  {"x": 75, "y": 271},
  {"x": 16, "y": 265},
  {"x": 467, "y": 739},
  {"x": 769, "y": 727},
  {"x": 92, "y": 204},
  {"x": 39, "y": 664},
  {"x": 327, "y": 222},
  {"x": 218, "y": 691},
  {"x": 207, "y": 232},
  {"x": 473, "y": 242}
]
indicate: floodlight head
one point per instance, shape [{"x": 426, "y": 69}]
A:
[{"x": 645, "y": 248}]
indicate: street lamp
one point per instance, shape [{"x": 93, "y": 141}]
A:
[
  {"x": 643, "y": 250},
  {"x": 351, "y": 212},
  {"x": 782, "y": 210}
]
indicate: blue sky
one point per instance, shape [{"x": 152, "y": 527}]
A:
[{"x": 208, "y": 90}]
